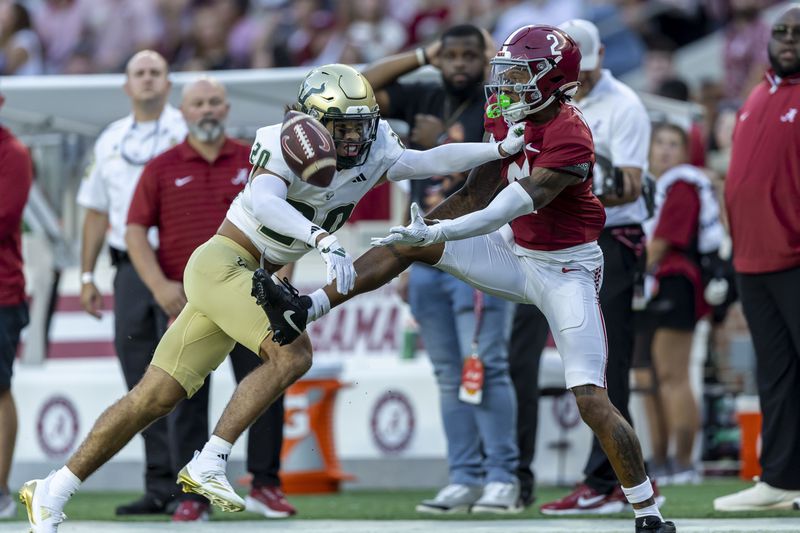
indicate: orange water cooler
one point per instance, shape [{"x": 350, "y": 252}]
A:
[
  {"x": 748, "y": 416},
  {"x": 309, "y": 463}
]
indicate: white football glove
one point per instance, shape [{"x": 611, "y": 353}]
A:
[
  {"x": 515, "y": 139},
  {"x": 339, "y": 264},
  {"x": 417, "y": 233}
]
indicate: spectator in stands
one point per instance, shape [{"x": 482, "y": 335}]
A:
[
  {"x": 686, "y": 222},
  {"x": 481, "y": 449},
  {"x": 196, "y": 181},
  {"x": 242, "y": 30},
  {"x": 303, "y": 33},
  {"x": 745, "y": 49},
  {"x": 551, "y": 12},
  {"x": 676, "y": 89},
  {"x": 119, "y": 155},
  {"x": 207, "y": 45},
  {"x": 621, "y": 131},
  {"x": 20, "y": 48},
  {"x": 16, "y": 178},
  {"x": 62, "y": 27},
  {"x": 174, "y": 24},
  {"x": 621, "y": 36},
  {"x": 120, "y": 28},
  {"x": 658, "y": 61},
  {"x": 762, "y": 198},
  {"x": 373, "y": 34}
]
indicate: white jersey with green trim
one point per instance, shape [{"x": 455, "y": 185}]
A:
[{"x": 327, "y": 207}]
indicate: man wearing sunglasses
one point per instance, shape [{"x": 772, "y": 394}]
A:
[{"x": 762, "y": 198}]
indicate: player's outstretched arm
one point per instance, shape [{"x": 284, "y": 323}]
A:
[
  {"x": 514, "y": 201},
  {"x": 378, "y": 266},
  {"x": 476, "y": 193},
  {"x": 454, "y": 157}
]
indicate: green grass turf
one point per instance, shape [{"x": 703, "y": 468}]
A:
[{"x": 682, "y": 502}]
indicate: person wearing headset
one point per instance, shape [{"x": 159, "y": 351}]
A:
[{"x": 106, "y": 191}]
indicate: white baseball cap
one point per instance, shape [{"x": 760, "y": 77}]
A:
[{"x": 588, "y": 38}]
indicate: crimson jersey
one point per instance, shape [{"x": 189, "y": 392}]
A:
[{"x": 575, "y": 216}]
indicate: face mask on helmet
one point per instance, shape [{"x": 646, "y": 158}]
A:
[
  {"x": 514, "y": 86},
  {"x": 353, "y": 133}
]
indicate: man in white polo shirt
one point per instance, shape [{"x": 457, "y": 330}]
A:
[
  {"x": 120, "y": 154},
  {"x": 621, "y": 130}
]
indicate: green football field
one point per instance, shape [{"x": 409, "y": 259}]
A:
[{"x": 682, "y": 502}]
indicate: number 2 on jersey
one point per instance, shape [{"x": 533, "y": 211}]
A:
[{"x": 333, "y": 221}]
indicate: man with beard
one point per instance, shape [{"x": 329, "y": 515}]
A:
[
  {"x": 118, "y": 158},
  {"x": 482, "y": 454},
  {"x": 197, "y": 180},
  {"x": 761, "y": 196}
]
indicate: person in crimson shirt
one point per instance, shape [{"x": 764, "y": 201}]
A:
[
  {"x": 185, "y": 193},
  {"x": 762, "y": 197},
  {"x": 672, "y": 258},
  {"x": 16, "y": 178},
  {"x": 549, "y": 255}
]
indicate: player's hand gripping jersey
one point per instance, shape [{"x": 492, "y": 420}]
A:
[
  {"x": 327, "y": 207},
  {"x": 575, "y": 216}
]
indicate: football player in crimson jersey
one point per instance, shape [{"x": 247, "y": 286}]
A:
[{"x": 548, "y": 255}]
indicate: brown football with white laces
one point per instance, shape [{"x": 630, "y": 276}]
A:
[{"x": 308, "y": 149}]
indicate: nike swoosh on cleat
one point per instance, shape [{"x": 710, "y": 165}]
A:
[
  {"x": 287, "y": 316},
  {"x": 588, "y": 502}
]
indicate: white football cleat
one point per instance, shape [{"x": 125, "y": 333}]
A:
[
  {"x": 208, "y": 479},
  {"x": 44, "y": 514},
  {"x": 760, "y": 497}
]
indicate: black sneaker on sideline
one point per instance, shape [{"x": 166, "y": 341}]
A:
[
  {"x": 147, "y": 504},
  {"x": 653, "y": 524},
  {"x": 286, "y": 310}
]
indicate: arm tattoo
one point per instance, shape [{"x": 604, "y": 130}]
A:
[
  {"x": 545, "y": 184},
  {"x": 403, "y": 260},
  {"x": 475, "y": 194}
]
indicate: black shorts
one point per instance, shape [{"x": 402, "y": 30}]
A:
[
  {"x": 12, "y": 319},
  {"x": 674, "y": 305},
  {"x": 673, "y": 308}
]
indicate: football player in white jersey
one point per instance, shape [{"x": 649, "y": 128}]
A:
[{"x": 275, "y": 220}]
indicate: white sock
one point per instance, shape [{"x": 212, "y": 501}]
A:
[
  {"x": 63, "y": 485},
  {"x": 651, "y": 510},
  {"x": 320, "y": 305},
  {"x": 641, "y": 493},
  {"x": 216, "y": 449}
]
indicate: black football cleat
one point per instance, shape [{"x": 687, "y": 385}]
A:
[
  {"x": 286, "y": 310},
  {"x": 653, "y": 524},
  {"x": 146, "y": 505}
]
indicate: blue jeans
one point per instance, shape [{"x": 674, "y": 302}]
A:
[{"x": 481, "y": 439}]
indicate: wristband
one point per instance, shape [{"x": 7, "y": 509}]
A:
[
  {"x": 422, "y": 58},
  {"x": 87, "y": 277}
]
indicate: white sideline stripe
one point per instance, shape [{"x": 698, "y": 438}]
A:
[
  {"x": 77, "y": 326},
  {"x": 752, "y": 525}
]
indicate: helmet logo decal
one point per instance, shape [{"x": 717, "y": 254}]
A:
[{"x": 308, "y": 91}]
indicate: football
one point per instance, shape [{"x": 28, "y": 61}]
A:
[{"x": 308, "y": 149}]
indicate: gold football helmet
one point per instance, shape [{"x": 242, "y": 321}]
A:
[{"x": 342, "y": 99}]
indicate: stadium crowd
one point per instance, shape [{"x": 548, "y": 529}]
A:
[{"x": 96, "y": 36}]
